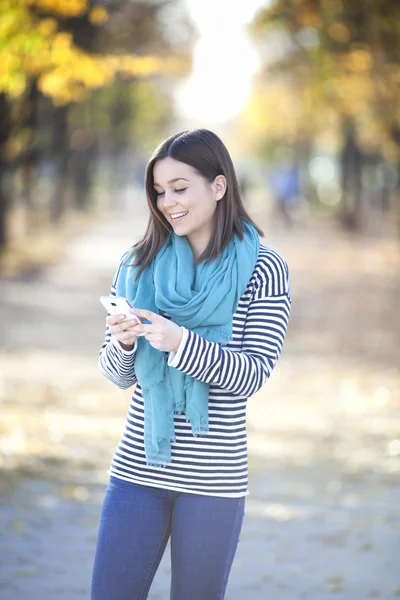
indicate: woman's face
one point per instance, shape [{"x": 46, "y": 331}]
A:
[{"x": 187, "y": 200}]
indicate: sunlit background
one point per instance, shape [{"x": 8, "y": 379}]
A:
[
  {"x": 306, "y": 95},
  {"x": 224, "y": 62}
]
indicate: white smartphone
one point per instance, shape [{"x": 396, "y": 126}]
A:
[{"x": 117, "y": 305}]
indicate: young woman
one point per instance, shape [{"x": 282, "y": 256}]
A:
[{"x": 214, "y": 305}]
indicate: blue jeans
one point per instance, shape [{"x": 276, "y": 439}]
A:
[{"x": 136, "y": 522}]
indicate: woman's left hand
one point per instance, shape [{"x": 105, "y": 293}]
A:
[{"x": 162, "y": 334}]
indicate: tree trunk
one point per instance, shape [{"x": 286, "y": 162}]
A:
[
  {"x": 5, "y": 131},
  {"x": 351, "y": 160},
  {"x": 395, "y": 131},
  {"x": 29, "y": 159},
  {"x": 61, "y": 154},
  {"x": 82, "y": 162}
]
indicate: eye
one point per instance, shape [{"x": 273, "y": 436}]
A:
[
  {"x": 158, "y": 194},
  {"x": 180, "y": 191}
]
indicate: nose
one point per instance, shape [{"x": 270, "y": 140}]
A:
[{"x": 169, "y": 199}]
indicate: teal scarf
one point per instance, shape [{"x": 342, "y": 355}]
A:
[{"x": 202, "y": 299}]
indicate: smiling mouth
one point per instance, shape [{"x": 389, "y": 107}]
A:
[{"x": 178, "y": 216}]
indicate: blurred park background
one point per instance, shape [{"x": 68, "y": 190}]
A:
[{"x": 306, "y": 95}]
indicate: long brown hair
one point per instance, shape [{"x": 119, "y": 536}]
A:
[{"x": 206, "y": 153}]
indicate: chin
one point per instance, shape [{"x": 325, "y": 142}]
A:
[
  {"x": 181, "y": 233},
  {"x": 179, "y": 229}
]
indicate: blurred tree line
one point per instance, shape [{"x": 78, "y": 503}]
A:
[
  {"x": 330, "y": 84},
  {"x": 82, "y": 84}
]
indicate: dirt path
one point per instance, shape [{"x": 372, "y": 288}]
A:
[{"x": 323, "y": 516}]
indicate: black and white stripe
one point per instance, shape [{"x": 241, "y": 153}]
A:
[{"x": 214, "y": 463}]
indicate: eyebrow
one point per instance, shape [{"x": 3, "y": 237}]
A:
[{"x": 172, "y": 180}]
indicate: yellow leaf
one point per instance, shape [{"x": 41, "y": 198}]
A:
[
  {"x": 47, "y": 27},
  {"x": 339, "y": 32},
  {"x": 16, "y": 85},
  {"x": 51, "y": 83},
  {"x": 62, "y": 41},
  {"x": 65, "y": 8},
  {"x": 98, "y": 15}
]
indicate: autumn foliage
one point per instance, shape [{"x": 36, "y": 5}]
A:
[
  {"x": 34, "y": 46},
  {"x": 326, "y": 62}
]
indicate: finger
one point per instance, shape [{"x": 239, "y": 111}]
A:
[
  {"x": 137, "y": 328},
  {"x": 134, "y": 327},
  {"x": 126, "y": 335},
  {"x": 153, "y": 338},
  {"x": 135, "y": 331},
  {"x": 119, "y": 328},
  {"x": 114, "y": 319},
  {"x": 146, "y": 314},
  {"x": 147, "y": 328},
  {"x": 129, "y": 333},
  {"x": 132, "y": 315},
  {"x": 116, "y": 329}
]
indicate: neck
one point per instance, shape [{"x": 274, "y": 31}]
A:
[{"x": 198, "y": 246}]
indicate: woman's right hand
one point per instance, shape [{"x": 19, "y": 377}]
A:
[{"x": 123, "y": 330}]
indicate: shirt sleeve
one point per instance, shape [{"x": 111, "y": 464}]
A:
[
  {"x": 243, "y": 372},
  {"x": 115, "y": 363}
]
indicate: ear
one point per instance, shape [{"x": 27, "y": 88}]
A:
[{"x": 219, "y": 187}]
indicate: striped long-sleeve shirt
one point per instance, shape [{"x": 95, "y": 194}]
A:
[{"x": 214, "y": 463}]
